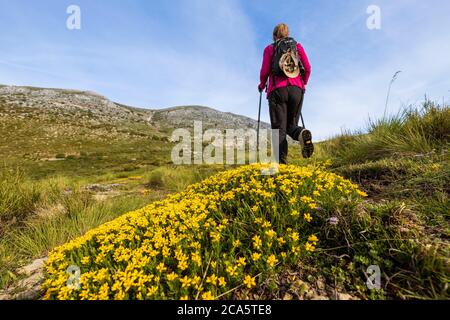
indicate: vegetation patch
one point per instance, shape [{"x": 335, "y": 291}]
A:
[{"x": 231, "y": 231}]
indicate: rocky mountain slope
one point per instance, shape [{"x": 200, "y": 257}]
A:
[
  {"x": 69, "y": 129},
  {"x": 95, "y": 109},
  {"x": 185, "y": 116}
]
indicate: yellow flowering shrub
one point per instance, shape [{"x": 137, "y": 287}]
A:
[{"x": 226, "y": 232}]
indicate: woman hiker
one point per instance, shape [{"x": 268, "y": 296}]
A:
[{"x": 287, "y": 84}]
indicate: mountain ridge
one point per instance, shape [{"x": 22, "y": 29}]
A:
[
  {"x": 60, "y": 130},
  {"x": 181, "y": 113}
]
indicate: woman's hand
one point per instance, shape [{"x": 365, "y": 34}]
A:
[{"x": 261, "y": 87}]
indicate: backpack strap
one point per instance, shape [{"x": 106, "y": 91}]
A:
[{"x": 271, "y": 65}]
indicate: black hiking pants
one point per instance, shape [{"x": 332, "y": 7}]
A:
[{"x": 285, "y": 106}]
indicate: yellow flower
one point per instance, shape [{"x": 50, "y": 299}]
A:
[
  {"x": 313, "y": 239},
  {"x": 231, "y": 270},
  {"x": 152, "y": 290},
  {"x": 186, "y": 297},
  {"x": 85, "y": 260},
  {"x": 292, "y": 201},
  {"x": 295, "y": 250},
  {"x": 212, "y": 279},
  {"x": 272, "y": 260},
  {"x": 361, "y": 193},
  {"x": 281, "y": 241},
  {"x": 309, "y": 247},
  {"x": 185, "y": 282},
  {"x": 294, "y": 236},
  {"x": 222, "y": 282},
  {"x": 172, "y": 276},
  {"x": 195, "y": 280},
  {"x": 271, "y": 234},
  {"x": 196, "y": 258},
  {"x": 207, "y": 296},
  {"x": 236, "y": 243},
  {"x": 257, "y": 242},
  {"x": 161, "y": 268},
  {"x": 182, "y": 265},
  {"x": 307, "y": 217},
  {"x": 266, "y": 224},
  {"x": 256, "y": 256},
  {"x": 249, "y": 282},
  {"x": 213, "y": 264},
  {"x": 312, "y": 206},
  {"x": 306, "y": 199},
  {"x": 294, "y": 213},
  {"x": 241, "y": 261},
  {"x": 215, "y": 236},
  {"x": 258, "y": 220}
]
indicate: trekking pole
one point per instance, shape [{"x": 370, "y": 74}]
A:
[
  {"x": 259, "y": 121},
  {"x": 303, "y": 122},
  {"x": 301, "y": 111}
]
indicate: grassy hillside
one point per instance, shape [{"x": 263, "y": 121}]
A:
[
  {"x": 67, "y": 171},
  {"x": 47, "y": 132},
  {"x": 403, "y": 163}
]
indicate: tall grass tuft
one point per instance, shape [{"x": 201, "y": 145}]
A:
[
  {"x": 21, "y": 197},
  {"x": 413, "y": 130},
  {"x": 18, "y": 197},
  {"x": 176, "y": 179}
]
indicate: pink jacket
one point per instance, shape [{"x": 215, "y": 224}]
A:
[{"x": 300, "y": 81}]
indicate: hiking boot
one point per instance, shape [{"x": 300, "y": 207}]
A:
[{"x": 306, "y": 143}]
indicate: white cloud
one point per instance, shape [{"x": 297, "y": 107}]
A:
[{"x": 358, "y": 90}]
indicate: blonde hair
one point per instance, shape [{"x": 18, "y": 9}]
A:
[{"x": 281, "y": 31}]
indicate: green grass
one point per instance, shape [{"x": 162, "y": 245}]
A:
[
  {"x": 177, "y": 178},
  {"x": 402, "y": 162},
  {"x": 412, "y": 131},
  {"x": 20, "y": 196}
]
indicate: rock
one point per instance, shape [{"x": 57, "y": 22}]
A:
[
  {"x": 35, "y": 266},
  {"x": 28, "y": 288},
  {"x": 102, "y": 188},
  {"x": 288, "y": 296},
  {"x": 320, "y": 285},
  {"x": 344, "y": 296}
]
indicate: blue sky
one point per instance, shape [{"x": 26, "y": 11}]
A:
[{"x": 157, "y": 54}]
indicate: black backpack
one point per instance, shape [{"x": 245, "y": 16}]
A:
[{"x": 285, "y": 60}]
